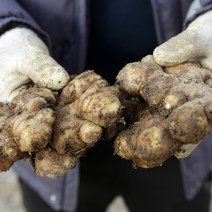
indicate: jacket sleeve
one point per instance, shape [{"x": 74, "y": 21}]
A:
[
  {"x": 197, "y": 8},
  {"x": 13, "y": 15}
]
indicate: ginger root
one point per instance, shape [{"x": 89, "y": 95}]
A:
[
  {"x": 170, "y": 108},
  {"x": 33, "y": 118},
  {"x": 26, "y": 125},
  {"x": 49, "y": 163},
  {"x": 86, "y": 106},
  {"x": 54, "y": 130},
  {"x": 89, "y": 105},
  {"x": 178, "y": 112}
]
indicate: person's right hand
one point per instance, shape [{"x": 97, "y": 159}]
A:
[{"x": 24, "y": 57}]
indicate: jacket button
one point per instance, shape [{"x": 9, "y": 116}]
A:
[{"x": 53, "y": 198}]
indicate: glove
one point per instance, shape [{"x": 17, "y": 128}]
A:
[
  {"x": 193, "y": 44},
  {"x": 26, "y": 123},
  {"x": 23, "y": 58}
]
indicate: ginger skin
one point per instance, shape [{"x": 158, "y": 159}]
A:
[
  {"x": 26, "y": 125},
  {"x": 89, "y": 106},
  {"x": 170, "y": 109},
  {"x": 33, "y": 118},
  {"x": 179, "y": 111},
  {"x": 48, "y": 163},
  {"x": 53, "y": 129},
  {"x": 86, "y": 106}
]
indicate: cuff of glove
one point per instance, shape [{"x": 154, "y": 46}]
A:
[{"x": 13, "y": 22}]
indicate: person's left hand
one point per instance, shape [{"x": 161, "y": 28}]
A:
[
  {"x": 193, "y": 44},
  {"x": 173, "y": 113}
]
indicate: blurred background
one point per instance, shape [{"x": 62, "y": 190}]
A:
[{"x": 11, "y": 200}]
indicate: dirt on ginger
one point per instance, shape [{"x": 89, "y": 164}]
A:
[
  {"x": 89, "y": 105},
  {"x": 169, "y": 111},
  {"x": 86, "y": 107},
  {"x": 53, "y": 130},
  {"x": 26, "y": 125},
  {"x": 178, "y": 112}
]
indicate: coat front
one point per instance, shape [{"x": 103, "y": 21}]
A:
[{"x": 64, "y": 26}]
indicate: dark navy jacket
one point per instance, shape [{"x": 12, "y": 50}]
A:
[{"x": 63, "y": 25}]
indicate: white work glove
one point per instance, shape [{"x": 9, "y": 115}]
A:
[
  {"x": 24, "y": 57},
  {"x": 193, "y": 44}
]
